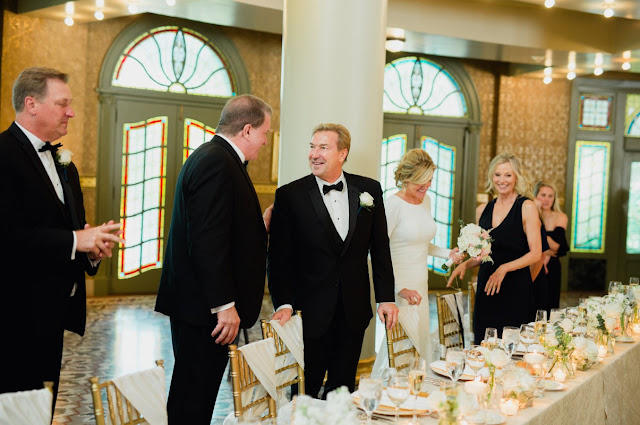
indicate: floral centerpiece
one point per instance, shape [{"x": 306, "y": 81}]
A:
[
  {"x": 518, "y": 384},
  {"x": 474, "y": 242},
  {"x": 338, "y": 410},
  {"x": 493, "y": 359},
  {"x": 559, "y": 345},
  {"x": 585, "y": 352}
]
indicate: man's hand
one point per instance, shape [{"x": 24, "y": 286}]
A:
[
  {"x": 99, "y": 241},
  {"x": 267, "y": 217},
  {"x": 391, "y": 311},
  {"x": 227, "y": 327},
  {"x": 283, "y": 315}
]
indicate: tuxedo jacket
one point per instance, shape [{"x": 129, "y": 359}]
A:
[
  {"x": 310, "y": 266},
  {"x": 38, "y": 274},
  {"x": 216, "y": 251}
]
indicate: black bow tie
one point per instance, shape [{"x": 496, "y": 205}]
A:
[
  {"x": 328, "y": 188},
  {"x": 49, "y": 147}
]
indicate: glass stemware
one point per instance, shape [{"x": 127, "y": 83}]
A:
[
  {"x": 555, "y": 315},
  {"x": 634, "y": 280},
  {"x": 490, "y": 338},
  {"x": 474, "y": 358},
  {"x": 370, "y": 390},
  {"x": 454, "y": 361},
  {"x": 614, "y": 287},
  {"x": 398, "y": 391},
  {"x": 527, "y": 336},
  {"x": 536, "y": 358},
  {"x": 540, "y": 325},
  {"x": 417, "y": 375},
  {"x": 510, "y": 339}
]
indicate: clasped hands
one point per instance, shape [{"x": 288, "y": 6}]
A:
[{"x": 98, "y": 242}]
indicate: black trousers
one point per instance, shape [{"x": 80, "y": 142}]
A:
[
  {"x": 198, "y": 370},
  {"x": 336, "y": 353}
]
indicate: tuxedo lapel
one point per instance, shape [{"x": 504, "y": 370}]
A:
[
  {"x": 321, "y": 210},
  {"x": 354, "y": 198},
  {"x": 68, "y": 198},
  {"x": 36, "y": 163}
]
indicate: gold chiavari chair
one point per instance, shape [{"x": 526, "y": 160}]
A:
[
  {"x": 472, "y": 304},
  {"x": 283, "y": 350},
  {"x": 119, "y": 409},
  {"x": 397, "y": 336},
  {"x": 244, "y": 380},
  {"x": 450, "y": 331}
]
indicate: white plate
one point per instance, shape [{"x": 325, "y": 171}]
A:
[
  {"x": 387, "y": 408},
  {"x": 440, "y": 366},
  {"x": 550, "y": 385}
]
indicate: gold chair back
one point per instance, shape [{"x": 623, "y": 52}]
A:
[
  {"x": 282, "y": 350},
  {"x": 472, "y": 304},
  {"x": 448, "y": 337},
  {"x": 243, "y": 379},
  {"x": 394, "y": 336},
  {"x": 119, "y": 409}
]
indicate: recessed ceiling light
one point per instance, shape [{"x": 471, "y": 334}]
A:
[
  {"x": 99, "y": 15},
  {"x": 69, "y": 21},
  {"x": 571, "y": 75},
  {"x": 549, "y": 3},
  {"x": 547, "y": 79},
  {"x": 608, "y": 12},
  {"x": 626, "y": 66},
  {"x": 598, "y": 71}
]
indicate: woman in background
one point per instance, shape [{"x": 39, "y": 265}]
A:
[{"x": 555, "y": 223}]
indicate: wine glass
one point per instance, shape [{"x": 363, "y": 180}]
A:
[
  {"x": 556, "y": 315},
  {"x": 490, "y": 338},
  {"x": 370, "y": 390},
  {"x": 510, "y": 339},
  {"x": 634, "y": 280},
  {"x": 398, "y": 391},
  {"x": 614, "y": 287},
  {"x": 417, "y": 375},
  {"x": 454, "y": 361},
  {"x": 527, "y": 336},
  {"x": 474, "y": 358},
  {"x": 540, "y": 325}
]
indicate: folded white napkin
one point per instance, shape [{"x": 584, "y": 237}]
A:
[
  {"x": 261, "y": 357},
  {"x": 26, "y": 407},
  {"x": 291, "y": 335},
  {"x": 145, "y": 390}
]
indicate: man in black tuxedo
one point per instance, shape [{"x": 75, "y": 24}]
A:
[
  {"x": 323, "y": 227},
  {"x": 47, "y": 244},
  {"x": 214, "y": 266}
]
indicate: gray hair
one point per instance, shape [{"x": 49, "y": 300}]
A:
[
  {"x": 33, "y": 82},
  {"x": 240, "y": 111}
]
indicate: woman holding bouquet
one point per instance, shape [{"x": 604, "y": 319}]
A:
[
  {"x": 505, "y": 293},
  {"x": 411, "y": 228}
]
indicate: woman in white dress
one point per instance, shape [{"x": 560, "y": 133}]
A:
[{"x": 411, "y": 228}]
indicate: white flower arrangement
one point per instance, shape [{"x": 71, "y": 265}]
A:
[
  {"x": 366, "y": 201},
  {"x": 63, "y": 157},
  {"x": 475, "y": 242},
  {"x": 518, "y": 384},
  {"x": 585, "y": 352},
  {"x": 338, "y": 410},
  {"x": 494, "y": 358}
]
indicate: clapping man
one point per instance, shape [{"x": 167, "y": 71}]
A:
[
  {"x": 323, "y": 228},
  {"x": 47, "y": 245}
]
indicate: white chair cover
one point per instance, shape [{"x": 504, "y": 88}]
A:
[
  {"x": 26, "y": 407},
  {"x": 291, "y": 335},
  {"x": 408, "y": 318},
  {"x": 454, "y": 301},
  {"x": 146, "y": 391}
]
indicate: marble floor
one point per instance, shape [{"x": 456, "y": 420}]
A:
[{"x": 124, "y": 335}]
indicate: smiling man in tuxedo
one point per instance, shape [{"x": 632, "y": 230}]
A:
[
  {"x": 47, "y": 245},
  {"x": 214, "y": 267},
  {"x": 323, "y": 227}
]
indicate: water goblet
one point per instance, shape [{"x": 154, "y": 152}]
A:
[
  {"x": 510, "y": 339},
  {"x": 634, "y": 280},
  {"x": 417, "y": 375},
  {"x": 398, "y": 391},
  {"x": 454, "y": 361},
  {"x": 556, "y": 315},
  {"x": 614, "y": 287},
  {"x": 370, "y": 390},
  {"x": 474, "y": 358},
  {"x": 527, "y": 336},
  {"x": 536, "y": 358},
  {"x": 490, "y": 338}
]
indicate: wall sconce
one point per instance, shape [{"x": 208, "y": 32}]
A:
[{"x": 395, "y": 40}]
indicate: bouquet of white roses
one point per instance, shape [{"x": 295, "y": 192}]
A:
[
  {"x": 338, "y": 410},
  {"x": 473, "y": 241}
]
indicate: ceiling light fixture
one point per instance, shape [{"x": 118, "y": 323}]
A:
[
  {"x": 571, "y": 75},
  {"x": 395, "y": 40},
  {"x": 99, "y": 15},
  {"x": 549, "y": 3},
  {"x": 608, "y": 12},
  {"x": 598, "y": 59},
  {"x": 69, "y": 21},
  {"x": 547, "y": 79},
  {"x": 626, "y": 54},
  {"x": 626, "y": 66},
  {"x": 598, "y": 71}
]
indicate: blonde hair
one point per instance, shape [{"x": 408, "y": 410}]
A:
[
  {"x": 344, "y": 137},
  {"x": 523, "y": 188},
  {"x": 555, "y": 206},
  {"x": 416, "y": 166}
]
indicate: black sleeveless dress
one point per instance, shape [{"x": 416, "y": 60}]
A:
[
  {"x": 514, "y": 304},
  {"x": 555, "y": 273}
]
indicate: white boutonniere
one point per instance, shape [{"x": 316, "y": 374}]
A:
[
  {"x": 63, "y": 157},
  {"x": 366, "y": 201}
]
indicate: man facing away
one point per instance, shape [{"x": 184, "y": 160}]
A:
[
  {"x": 214, "y": 266},
  {"x": 323, "y": 227},
  {"x": 47, "y": 246}
]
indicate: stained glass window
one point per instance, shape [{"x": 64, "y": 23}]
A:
[
  {"x": 633, "y": 217},
  {"x": 144, "y": 159},
  {"x": 195, "y": 134},
  {"x": 595, "y": 112},
  {"x": 590, "y": 193},
  {"x": 174, "y": 59},
  {"x": 392, "y": 150},
  {"x": 632, "y": 119},
  {"x": 421, "y": 87},
  {"x": 441, "y": 194}
]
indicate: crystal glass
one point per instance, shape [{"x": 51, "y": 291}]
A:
[
  {"x": 527, "y": 336},
  {"x": 474, "y": 358},
  {"x": 417, "y": 375},
  {"x": 370, "y": 390},
  {"x": 454, "y": 361},
  {"x": 541, "y": 325},
  {"x": 510, "y": 339},
  {"x": 614, "y": 287},
  {"x": 537, "y": 359},
  {"x": 490, "y": 338},
  {"x": 634, "y": 280},
  {"x": 556, "y": 315},
  {"x": 398, "y": 391}
]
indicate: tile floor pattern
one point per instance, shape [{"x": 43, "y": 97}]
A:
[{"x": 124, "y": 335}]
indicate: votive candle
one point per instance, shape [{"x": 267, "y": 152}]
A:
[{"x": 509, "y": 407}]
